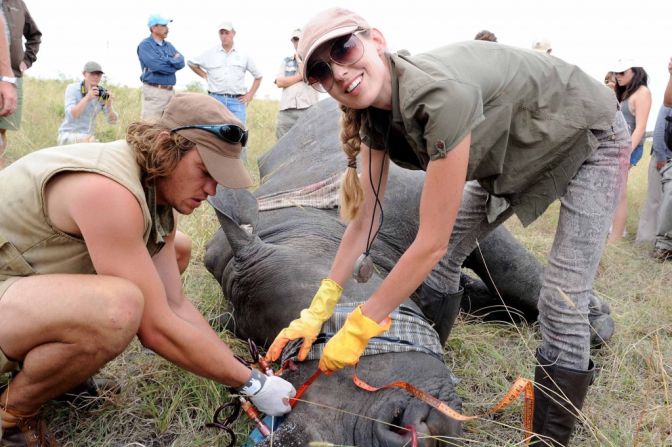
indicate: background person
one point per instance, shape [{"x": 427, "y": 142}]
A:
[
  {"x": 88, "y": 260},
  {"x": 542, "y": 46},
  {"x": 7, "y": 87},
  {"x": 297, "y": 96},
  {"x": 19, "y": 25},
  {"x": 667, "y": 98},
  {"x": 84, "y": 100},
  {"x": 610, "y": 80},
  {"x": 650, "y": 214},
  {"x": 159, "y": 61},
  {"x": 223, "y": 67},
  {"x": 635, "y": 100},
  {"x": 451, "y": 113},
  {"x": 486, "y": 35}
]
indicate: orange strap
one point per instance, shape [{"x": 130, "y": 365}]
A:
[
  {"x": 302, "y": 389},
  {"x": 520, "y": 386}
]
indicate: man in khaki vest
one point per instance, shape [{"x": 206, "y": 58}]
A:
[{"x": 88, "y": 260}]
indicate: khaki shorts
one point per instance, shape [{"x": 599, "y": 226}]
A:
[
  {"x": 13, "y": 121},
  {"x": 5, "y": 364}
]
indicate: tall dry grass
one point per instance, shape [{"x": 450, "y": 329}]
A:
[{"x": 159, "y": 405}]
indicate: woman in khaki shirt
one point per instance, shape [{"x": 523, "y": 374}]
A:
[{"x": 525, "y": 127}]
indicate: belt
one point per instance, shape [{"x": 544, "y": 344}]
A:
[
  {"x": 162, "y": 87},
  {"x": 224, "y": 94}
]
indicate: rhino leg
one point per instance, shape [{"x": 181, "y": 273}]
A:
[{"x": 506, "y": 268}]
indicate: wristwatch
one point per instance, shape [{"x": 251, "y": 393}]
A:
[{"x": 9, "y": 79}]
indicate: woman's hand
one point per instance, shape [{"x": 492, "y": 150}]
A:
[{"x": 345, "y": 348}]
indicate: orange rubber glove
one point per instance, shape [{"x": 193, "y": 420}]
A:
[
  {"x": 310, "y": 322},
  {"x": 345, "y": 348}
]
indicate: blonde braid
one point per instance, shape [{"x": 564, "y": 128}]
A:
[{"x": 352, "y": 195}]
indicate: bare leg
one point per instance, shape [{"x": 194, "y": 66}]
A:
[
  {"x": 620, "y": 215},
  {"x": 63, "y": 328},
  {"x": 182, "y": 250}
]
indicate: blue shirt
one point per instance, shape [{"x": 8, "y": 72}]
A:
[
  {"x": 660, "y": 149},
  {"x": 159, "y": 62},
  {"x": 87, "y": 119}
]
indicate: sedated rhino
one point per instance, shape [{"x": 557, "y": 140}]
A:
[{"x": 271, "y": 273}]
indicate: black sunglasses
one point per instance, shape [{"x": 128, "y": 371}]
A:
[
  {"x": 344, "y": 50},
  {"x": 227, "y": 132}
]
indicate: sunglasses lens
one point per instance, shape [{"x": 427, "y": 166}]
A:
[
  {"x": 320, "y": 76},
  {"x": 346, "y": 50},
  {"x": 233, "y": 134}
]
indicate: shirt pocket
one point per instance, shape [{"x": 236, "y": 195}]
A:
[{"x": 11, "y": 261}]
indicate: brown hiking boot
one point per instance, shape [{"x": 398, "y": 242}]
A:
[{"x": 29, "y": 431}]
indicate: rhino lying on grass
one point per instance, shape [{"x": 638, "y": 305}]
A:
[{"x": 275, "y": 246}]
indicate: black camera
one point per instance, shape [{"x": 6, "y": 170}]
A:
[{"x": 103, "y": 94}]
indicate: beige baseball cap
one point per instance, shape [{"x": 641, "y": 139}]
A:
[
  {"x": 327, "y": 25},
  {"x": 226, "y": 25},
  {"x": 222, "y": 159}
]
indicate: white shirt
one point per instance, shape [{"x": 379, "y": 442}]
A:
[{"x": 226, "y": 71}]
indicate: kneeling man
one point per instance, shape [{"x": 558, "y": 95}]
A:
[{"x": 88, "y": 260}]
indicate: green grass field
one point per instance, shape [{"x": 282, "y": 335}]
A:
[{"x": 160, "y": 405}]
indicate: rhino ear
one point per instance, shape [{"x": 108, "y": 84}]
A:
[
  {"x": 235, "y": 207},
  {"x": 239, "y": 204}
]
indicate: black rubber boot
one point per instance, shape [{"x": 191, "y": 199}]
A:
[
  {"x": 558, "y": 396},
  {"x": 441, "y": 308}
]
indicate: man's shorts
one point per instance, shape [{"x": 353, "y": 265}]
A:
[
  {"x": 13, "y": 121},
  {"x": 7, "y": 365},
  {"x": 636, "y": 155}
]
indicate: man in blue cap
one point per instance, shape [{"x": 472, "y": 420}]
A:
[{"x": 159, "y": 61}]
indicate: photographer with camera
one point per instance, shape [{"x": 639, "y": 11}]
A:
[{"x": 83, "y": 101}]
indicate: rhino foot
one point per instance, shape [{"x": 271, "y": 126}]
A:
[{"x": 601, "y": 330}]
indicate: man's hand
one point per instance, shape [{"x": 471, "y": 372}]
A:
[
  {"x": 273, "y": 397},
  {"x": 310, "y": 322},
  {"x": 7, "y": 98},
  {"x": 246, "y": 98}
]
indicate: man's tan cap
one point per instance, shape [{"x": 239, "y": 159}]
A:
[
  {"x": 221, "y": 159},
  {"x": 226, "y": 25},
  {"x": 327, "y": 25}
]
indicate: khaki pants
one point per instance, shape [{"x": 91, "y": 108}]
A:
[{"x": 154, "y": 102}]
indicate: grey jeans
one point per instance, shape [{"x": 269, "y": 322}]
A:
[
  {"x": 664, "y": 232},
  {"x": 585, "y": 214}
]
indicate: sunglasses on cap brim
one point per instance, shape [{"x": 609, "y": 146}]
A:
[
  {"x": 345, "y": 50},
  {"x": 226, "y": 132}
]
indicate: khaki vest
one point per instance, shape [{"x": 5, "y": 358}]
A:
[{"x": 29, "y": 244}]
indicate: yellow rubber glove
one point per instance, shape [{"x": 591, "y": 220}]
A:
[
  {"x": 345, "y": 348},
  {"x": 310, "y": 322}
]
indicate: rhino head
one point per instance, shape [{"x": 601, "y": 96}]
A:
[{"x": 269, "y": 277}]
